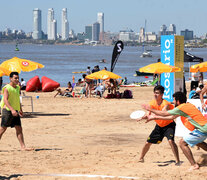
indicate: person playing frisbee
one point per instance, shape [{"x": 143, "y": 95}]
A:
[
  {"x": 162, "y": 128},
  {"x": 195, "y": 117}
]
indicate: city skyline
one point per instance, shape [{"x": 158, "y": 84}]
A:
[{"x": 185, "y": 14}]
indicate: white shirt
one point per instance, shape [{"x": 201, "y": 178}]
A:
[
  {"x": 23, "y": 83},
  {"x": 194, "y": 76}
]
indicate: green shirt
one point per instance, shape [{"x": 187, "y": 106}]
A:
[
  {"x": 13, "y": 97},
  {"x": 177, "y": 111}
]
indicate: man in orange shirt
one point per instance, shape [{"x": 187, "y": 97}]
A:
[
  {"x": 194, "y": 116},
  {"x": 163, "y": 128}
]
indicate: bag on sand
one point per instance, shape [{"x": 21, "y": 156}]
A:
[{"x": 127, "y": 94}]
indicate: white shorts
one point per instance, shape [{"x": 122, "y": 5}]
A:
[{"x": 195, "y": 137}]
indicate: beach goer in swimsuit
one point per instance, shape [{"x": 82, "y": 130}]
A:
[
  {"x": 162, "y": 128},
  {"x": 195, "y": 117},
  {"x": 66, "y": 92},
  {"x": 12, "y": 110}
]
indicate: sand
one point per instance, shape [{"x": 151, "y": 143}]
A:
[{"x": 89, "y": 136}]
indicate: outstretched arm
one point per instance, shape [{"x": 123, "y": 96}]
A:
[
  {"x": 156, "y": 112},
  {"x": 155, "y": 117}
]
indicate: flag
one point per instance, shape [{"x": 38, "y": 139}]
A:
[{"x": 119, "y": 46}]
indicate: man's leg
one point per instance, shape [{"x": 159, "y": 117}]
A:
[
  {"x": 20, "y": 137},
  {"x": 187, "y": 152},
  {"x": 174, "y": 148},
  {"x": 145, "y": 149},
  {"x": 202, "y": 145},
  {"x": 2, "y": 131}
]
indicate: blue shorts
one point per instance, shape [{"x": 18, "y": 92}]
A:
[{"x": 195, "y": 137}]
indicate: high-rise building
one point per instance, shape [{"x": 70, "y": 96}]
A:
[
  {"x": 188, "y": 35},
  {"x": 95, "y": 31},
  {"x": 100, "y": 20},
  {"x": 172, "y": 29},
  {"x": 51, "y": 25},
  {"x": 37, "y": 24},
  {"x": 65, "y": 25},
  {"x": 163, "y": 30},
  {"x": 88, "y": 32}
]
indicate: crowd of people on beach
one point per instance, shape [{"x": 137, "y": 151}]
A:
[{"x": 91, "y": 87}]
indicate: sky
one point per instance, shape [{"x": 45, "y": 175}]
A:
[{"x": 118, "y": 14}]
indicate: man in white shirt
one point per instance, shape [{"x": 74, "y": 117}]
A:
[{"x": 194, "y": 80}]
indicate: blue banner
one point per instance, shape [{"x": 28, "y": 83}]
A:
[{"x": 168, "y": 57}]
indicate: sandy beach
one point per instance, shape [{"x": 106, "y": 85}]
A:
[{"x": 89, "y": 136}]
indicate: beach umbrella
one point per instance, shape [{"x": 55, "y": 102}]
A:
[
  {"x": 103, "y": 75},
  {"x": 202, "y": 67},
  {"x": 4, "y": 72},
  {"x": 18, "y": 65},
  {"x": 159, "y": 68}
]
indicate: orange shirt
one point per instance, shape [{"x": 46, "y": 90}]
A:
[
  {"x": 154, "y": 105},
  {"x": 193, "y": 112}
]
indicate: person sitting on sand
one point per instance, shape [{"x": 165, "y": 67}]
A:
[
  {"x": 66, "y": 92},
  {"x": 195, "y": 117},
  {"x": 111, "y": 86}
]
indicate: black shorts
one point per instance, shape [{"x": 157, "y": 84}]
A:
[
  {"x": 8, "y": 120},
  {"x": 159, "y": 133}
]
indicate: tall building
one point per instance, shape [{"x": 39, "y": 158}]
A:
[
  {"x": 65, "y": 25},
  {"x": 100, "y": 20},
  {"x": 88, "y": 32},
  {"x": 163, "y": 30},
  {"x": 172, "y": 29},
  {"x": 188, "y": 35},
  {"x": 51, "y": 25},
  {"x": 37, "y": 24},
  {"x": 95, "y": 31}
]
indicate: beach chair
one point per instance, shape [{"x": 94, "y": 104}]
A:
[
  {"x": 153, "y": 82},
  {"x": 27, "y": 97},
  {"x": 78, "y": 90}
]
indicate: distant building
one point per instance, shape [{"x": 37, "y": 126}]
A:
[
  {"x": 188, "y": 35},
  {"x": 100, "y": 20},
  {"x": 65, "y": 25},
  {"x": 51, "y": 25},
  {"x": 151, "y": 36},
  {"x": 88, "y": 32},
  {"x": 71, "y": 34},
  {"x": 163, "y": 30},
  {"x": 37, "y": 24},
  {"x": 172, "y": 29},
  {"x": 95, "y": 31},
  {"x": 141, "y": 35},
  {"x": 127, "y": 35}
]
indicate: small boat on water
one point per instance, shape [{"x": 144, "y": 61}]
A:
[
  {"x": 16, "y": 49},
  {"x": 103, "y": 61},
  {"x": 146, "y": 53}
]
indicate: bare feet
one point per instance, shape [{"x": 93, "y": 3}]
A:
[
  {"x": 194, "y": 167},
  {"x": 27, "y": 149},
  {"x": 141, "y": 160}
]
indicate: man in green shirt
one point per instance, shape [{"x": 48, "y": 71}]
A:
[{"x": 12, "y": 110}]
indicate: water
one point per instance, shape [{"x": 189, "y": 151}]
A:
[{"x": 61, "y": 60}]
